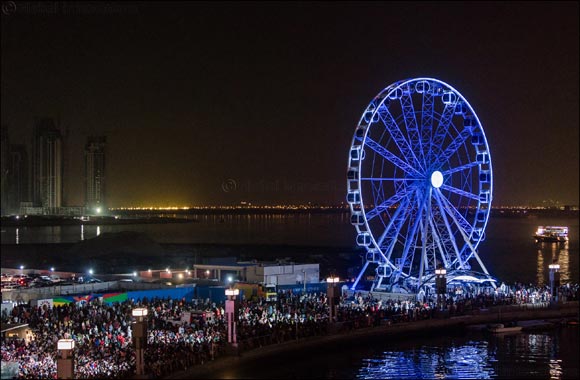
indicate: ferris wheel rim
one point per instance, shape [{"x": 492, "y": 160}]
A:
[{"x": 373, "y": 108}]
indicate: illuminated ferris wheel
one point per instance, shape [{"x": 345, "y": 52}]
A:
[{"x": 419, "y": 185}]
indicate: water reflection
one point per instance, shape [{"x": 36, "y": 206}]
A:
[
  {"x": 98, "y": 230},
  {"x": 549, "y": 253},
  {"x": 555, "y": 369},
  {"x": 523, "y": 355},
  {"x": 564, "y": 261},
  {"x": 540, "y": 277},
  {"x": 471, "y": 360},
  {"x": 18, "y": 236},
  {"x": 82, "y": 232}
]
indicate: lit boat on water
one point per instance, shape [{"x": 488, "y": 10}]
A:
[{"x": 556, "y": 234}]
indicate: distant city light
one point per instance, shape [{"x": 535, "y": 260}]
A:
[
  {"x": 52, "y": 269},
  {"x": 134, "y": 274},
  {"x": 90, "y": 271},
  {"x": 230, "y": 279},
  {"x": 98, "y": 210},
  {"x": 21, "y": 267}
]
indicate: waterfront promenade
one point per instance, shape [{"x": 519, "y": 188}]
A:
[
  {"x": 184, "y": 350},
  {"x": 338, "y": 335}
]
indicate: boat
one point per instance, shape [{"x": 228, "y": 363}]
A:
[
  {"x": 557, "y": 234},
  {"x": 500, "y": 328}
]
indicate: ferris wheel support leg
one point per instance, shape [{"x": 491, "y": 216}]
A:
[
  {"x": 364, "y": 268},
  {"x": 472, "y": 248}
]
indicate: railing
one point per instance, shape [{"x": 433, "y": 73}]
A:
[{"x": 57, "y": 290}]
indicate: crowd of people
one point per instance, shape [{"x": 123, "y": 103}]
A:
[{"x": 103, "y": 332}]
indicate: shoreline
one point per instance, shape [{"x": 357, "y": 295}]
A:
[
  {"x": 567, "y": 310},
  {"x": 33, "y": 221}
]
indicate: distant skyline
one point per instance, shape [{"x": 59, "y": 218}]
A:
[{"x": 218, "y": 103}]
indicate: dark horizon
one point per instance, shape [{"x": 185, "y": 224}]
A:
[{"x": 207, "y": 104}]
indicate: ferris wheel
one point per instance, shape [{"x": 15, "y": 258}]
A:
[{"x": 419, "y": 185}]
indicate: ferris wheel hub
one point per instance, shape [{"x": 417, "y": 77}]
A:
[{"x": 436, "y": 179}]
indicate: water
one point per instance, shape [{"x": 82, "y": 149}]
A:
[
  {"x": 509, "y": 252},
  {"x": 540, "y": 355}
]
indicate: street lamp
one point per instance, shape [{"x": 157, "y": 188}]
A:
[
  {"x": 140, "y": 338},
  {"x": 65, "y": 360},
  {"x": 554, "y": 280},
  {"x": 332, "y": 295},
  {"x": 231, "y": 315},
  {"x": 440, "y": 284}
]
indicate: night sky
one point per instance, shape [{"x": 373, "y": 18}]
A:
[{"x": 222, "y": 103}]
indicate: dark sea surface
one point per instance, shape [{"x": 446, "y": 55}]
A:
[
  {"x": 551, "y": 354},
  {"x": 509, "y": 251}
]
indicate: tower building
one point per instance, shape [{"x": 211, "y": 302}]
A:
[
  {"x": 95, "y": 174},
  {"x": 47, "y": 165}
]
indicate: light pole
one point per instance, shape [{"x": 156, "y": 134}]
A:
[
  {"x": 231, "y": 316},
  {"x": 554, "y": 280},
  {"x": 440, "y": 284},
  {"x": 140, "y": 338},
  {"x": 65, "y": 361},
  {"x": 333, "y": 296}
]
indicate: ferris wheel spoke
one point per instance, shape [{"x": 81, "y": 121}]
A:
[
  {"x": 460, "y": 168},
  {"x": 394, "y": 199},
  {"x": 399, "y": 214},
  {"x": 393, "y": 230},
  {"x": 411, "y": 124},
  {"x": 464, "y": 224},
  {"x": 448, "y": 228},
  {"x": 427, "y": 122},
  {"x": 460, "y": 192},
  {"x": 446, "y": 246},
  {"x": 395, "y": 132},
  {"x": 382, "y": 151},
  {"x": 388, "y": 179},
  {"x": 453, "y": 146},
  {"x": 438, "y": 243},
  {"x": 441, "y": 130}
]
